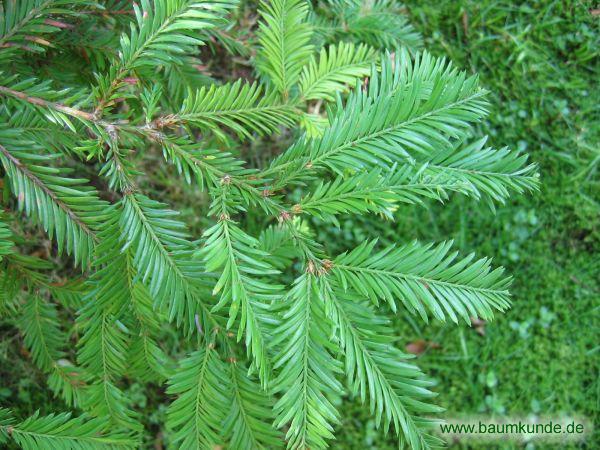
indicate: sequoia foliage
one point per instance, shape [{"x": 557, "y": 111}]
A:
[{"x": 92, "y": 91}]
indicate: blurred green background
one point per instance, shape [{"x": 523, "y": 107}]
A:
[{"x": 539, "y": 60}]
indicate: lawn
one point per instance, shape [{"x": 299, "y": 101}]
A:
[{"x": 539, "y": 61}]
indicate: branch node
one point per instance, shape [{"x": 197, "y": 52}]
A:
[
  {"x": 128, "y": 190},
  {"x": 327, "y": 265},
  {"x": 284, "y": 216}
]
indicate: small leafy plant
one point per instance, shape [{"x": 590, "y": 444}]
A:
[{"x": 337, "y": 103}]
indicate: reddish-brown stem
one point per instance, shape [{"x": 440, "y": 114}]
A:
[{"x": 47, "y": 104}]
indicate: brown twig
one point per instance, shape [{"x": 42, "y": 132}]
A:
[{"x": 47, "y": 104}]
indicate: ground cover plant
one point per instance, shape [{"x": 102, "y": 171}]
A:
[
  {"x": 539, "y": 61},
  {"x": 248, "y": 326}
]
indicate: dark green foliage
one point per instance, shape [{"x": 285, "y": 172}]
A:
[
  {"x": 6, "y": 243},
  {"x": 196, "y": 416},
  {"x": 379, "y": 23},
  {"x": 276, "y": 328}
]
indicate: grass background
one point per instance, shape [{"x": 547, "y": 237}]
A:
[{"x": 539, "y": 60}]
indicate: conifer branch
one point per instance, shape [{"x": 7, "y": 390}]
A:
[
  {"x": 408, "y": 110},
  {"x": 23, "y": 25},
  {"x": 336, "y": 70},
  {"x": 284, "y": 39},
  {"x": 484, "y": 172},
  {"x": 396, "y": 389},
  {"x": 250, "y": 413},
  {"x": 233, "y": 252},
  {"x": 163, "y": 31},
  {"x": 162, "y": 257},
  {"x": 265, "y": 356},
  {"x": 425, "y": 278},
  {"x": 241, "y": 107},
  {"x": 63, "y": 206},
  {"x": 62, "y": 431},
  {"x": 73, "y": 112},
  {"x": 237, "y": 256},
  {"x": 45, "y": 341},
  {"x": 307, "y": 368},
  {"x": 6, "y": 239},
  {"x": 195, "y": 416},
  {"x": 372, "y": 192}
]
